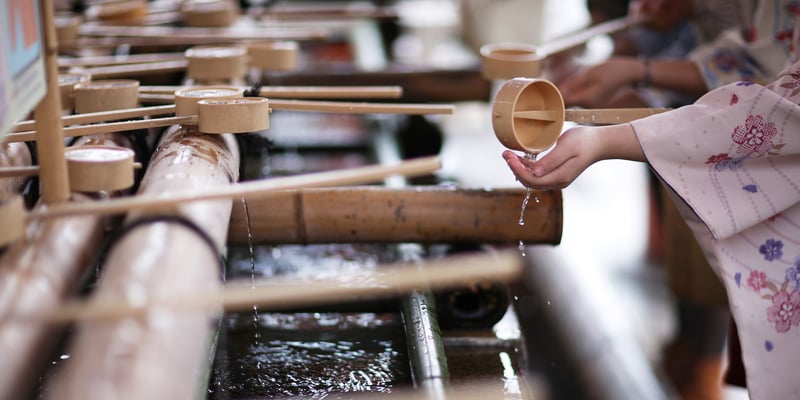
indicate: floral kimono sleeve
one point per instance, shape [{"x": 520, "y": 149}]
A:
[
  {"x": 734, "y": 155},
  {"x": 733, "y": 158}
]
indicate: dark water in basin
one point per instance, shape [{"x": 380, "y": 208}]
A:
[{"x": 309, "y": 353}]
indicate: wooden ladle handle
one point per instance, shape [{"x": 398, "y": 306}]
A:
[
  {"x": 600, "y": 116},
  {"x": 528, "y": 114}
]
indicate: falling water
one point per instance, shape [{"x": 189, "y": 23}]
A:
[
  {"x": 252, "y": 264},
  {"x": 530, "y": 156}
]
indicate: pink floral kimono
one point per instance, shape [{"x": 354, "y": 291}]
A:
[{"x": 733, "y": 158}]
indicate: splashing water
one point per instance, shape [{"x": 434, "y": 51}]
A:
[{"x": 529, "y": 156}]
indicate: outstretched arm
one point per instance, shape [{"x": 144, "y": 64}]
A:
[
  {"x": 593, "y": 86},
  {"x": 576, "y": 149}
]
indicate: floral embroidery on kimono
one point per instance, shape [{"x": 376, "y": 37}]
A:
[{"x": 733, "y": 158}]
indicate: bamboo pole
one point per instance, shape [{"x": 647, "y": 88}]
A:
[
  {"x": 359, "y": 108},
  {"x": 32, "y": 170},
  {"x": 388, "y": 281},
  {"x": 50, "y": 144},
  {"x": 293, "y": 105},
  {"x": 93, "y": 61},
  {"x": 163, "y": 200},
  {"x": 187, "y": 35},
  {"x": 573, "y": 40},
  {"x": 392, "y": 215},
  {"x": 302, "y": 92},
  {"x": 130, "y": 70},
  {"x": 101, "y": 116},
  {"x": 108, "y": 127}
]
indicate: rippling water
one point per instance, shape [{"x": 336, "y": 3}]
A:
[{"x": 310, "y": 354}]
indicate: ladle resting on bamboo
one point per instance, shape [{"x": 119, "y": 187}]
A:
[{"x": 294, "y": 105}]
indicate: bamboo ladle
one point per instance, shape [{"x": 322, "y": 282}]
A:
[
  {"x": 387, "y": 281},
  {"x": 528, "y": 114},
  {"x": 235, "y": 109},
  {"x": 165, "y": 95},
  {"x": 511, "y": 60},
  {"x": 205, "y": 63}
]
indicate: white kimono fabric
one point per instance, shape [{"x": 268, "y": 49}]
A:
[{"x": 733, "y": 157}]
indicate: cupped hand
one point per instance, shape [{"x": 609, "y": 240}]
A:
[{"x": 573, "y": 153}]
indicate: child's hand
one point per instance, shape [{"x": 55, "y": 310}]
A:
[
  {"x": 557, "y": 169},
  {"x": 576, "y": 149}
]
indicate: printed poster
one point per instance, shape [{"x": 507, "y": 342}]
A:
[{"x": 22, "y": 78}]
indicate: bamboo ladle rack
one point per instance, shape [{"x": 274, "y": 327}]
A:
[
  {"x": 528, "y": 114},
  {"x": 511, "y": 60}
]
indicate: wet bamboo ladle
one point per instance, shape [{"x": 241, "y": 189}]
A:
[{"x": 528, "y": 114}]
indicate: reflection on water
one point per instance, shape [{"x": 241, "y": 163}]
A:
[
  {"x": 316, "y": 355},
  {"x": 310, "y": 353}
]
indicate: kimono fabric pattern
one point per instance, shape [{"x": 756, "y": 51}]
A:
[{"x": 733, "y": 160}]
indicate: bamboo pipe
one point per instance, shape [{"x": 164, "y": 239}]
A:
[
  {"x": 389, "y": 281},
  {"x": 303, "y": 92},
  {"x": 41, "y": 271},
  {"x": 159, "y": 201},
  {"x": 294, "y": 105},
  {"x": 178, "y": 261},
  {"x": 392, "y": 215},
  {"x": 32, "y": 170}
]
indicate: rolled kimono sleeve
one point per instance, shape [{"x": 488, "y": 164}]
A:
[{"x": 734, "y": 155}]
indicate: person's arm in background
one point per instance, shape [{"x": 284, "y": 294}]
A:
[{"x": 595, "y": 85}]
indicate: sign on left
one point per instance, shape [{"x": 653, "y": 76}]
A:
[{"x": 22, "y": 78}]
